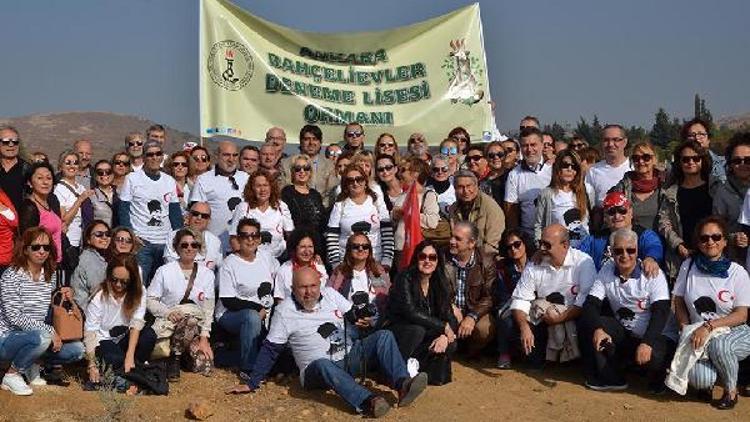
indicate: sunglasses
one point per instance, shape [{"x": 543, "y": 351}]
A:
[
  {"x": 354, "y": 134},
  {"x": 716, "y": 237},
  {"x": 577, "y": 145},
  {"x": 522, "y": 127},
  {"x": 121, "y": 163},
  {"x": 201, "y": 158},
  {"x": 687, "y": 159},
  {"x": 643, "y": 157},
  {"x": 737, "y": 161},
  {"x": 697, "y": 134},
  {"x": 120, "y": 281},
  {"x": 494, "y": 155},
  {"x": 71, "y": 163},
  {"x": 460, "y": 138},
  {"x": 358, "y": 180},
  {"x": 122, "y": 239},
  {"x": 248, "y": 235},
  {"x": 548, "y": 145},
  {"x": 514, "y": 245},
  {"x": 449, "y": 151},
  {"x": 194, "y": 245},
  {"x": 35, "y": 247},
  {"x": 427, "y": 257},
  {"x": 103, "y": 172},
  {"x": 202, "y": 215},
  {"x": 180, "y": 164},
  {"x": 510, "y": 150},
  {"x": 387, "y": 167},
  {"x": 566, "y": 165},
  {"x": 135, "y": 143},
  {"x": 387, "y": 145},
  {"x": 333, "y": 153},
  {"x": 440, "y": 169},
  {"x": 153, "y": 154},
  {"x": 10, "y": 142},
  {"x": 612, "y": 211},
  {"x": 474, "y": 157},
  {"x": 101, "y": 234},
  {"x": 360, "y": 247},
  {"x": 298, "y": 169},
  {"x": 622, "y": 251}
]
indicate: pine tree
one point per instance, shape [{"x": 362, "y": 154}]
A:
[
  {"x": 596, "y": 131},
  {"x": 662, "y": 131},
  {"x": 583, "y": 129}
]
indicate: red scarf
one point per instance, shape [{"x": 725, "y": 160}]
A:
[
  {"x": 645, "y": 185},
  {"x": 296, "y": 265}
]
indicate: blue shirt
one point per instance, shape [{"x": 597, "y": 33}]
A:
[{"x": 649, "y": 246}]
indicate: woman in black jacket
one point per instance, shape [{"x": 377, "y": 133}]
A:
[{"x": 420, "y": 314}]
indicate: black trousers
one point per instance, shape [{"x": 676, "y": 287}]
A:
[
  {"x": 113, "y": 353},
  {"x": 610, "y": 366},
  {"x": 414, "y": 342}
]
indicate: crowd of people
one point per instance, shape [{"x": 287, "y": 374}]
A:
[{"x": 533, "y": 251}]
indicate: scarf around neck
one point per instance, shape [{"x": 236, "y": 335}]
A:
[
  {"x": 645, "y": 185},
  {"x": 718, "y": 268}
]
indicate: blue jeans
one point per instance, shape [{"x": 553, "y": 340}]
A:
[
  {"x": 247, "y": 324},
  {"x": 150, "y": 257},
  {"x": 380, "y": 352},
  {"x": 70, "y": 352},
  {"x": 23, "y": 348}
]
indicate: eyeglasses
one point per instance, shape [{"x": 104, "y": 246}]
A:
[
  {"x": 738, "y": 161},
  {"x": 36, "y": 247},
  {"x": 248, "y": 235},
  {"x": 643, "y": 157},
  {"x": 612, "y": 211},
  {"x": 360, "y": 247},
  {"x": 697, "y": 135},
  {"x": 476, "y": 157},
  {"x": 387, "y": 145},
  {"x": 354, "y": 134},
  {"x": 10, "y": 142},
  {"x": 153, "y": 154},
  {"x": 101, "y": 234},
  {"x": 577, "y": 145},
  {"x": 201, "y": 158},
  {"x": 123, "y": 239},
  {"x": 494, "y": 155},
  {"x": 121, "y": 163},
  {"x": 440, "y": 169},
  {"x": 449, "y": 150},
  {"x": 298, "y": 169},
  {"x": 716, "y": 237},
  {"x": 358, "y": 180},
  {"x": 387, "y": 167},
  {"x": 194, "y": 245},
  {"x": 427, "y": 257},
  {"x": 524, "y": 127},
  {"x": 135, "y": 143},
  {"x": 548, "y": 145},
  {"x": 103, "y": 172},
  {"x": 567, "y": 165},
  {"x": 413, "y": 140},
  {"x": 180, "y": 164},
  {"x": 622, "y": 251},
  {"x": 203, "y": 215},
  {"x": 687, "y": 159},
  {"x": 71, "y": 163},
  {"x": 514, "y": 245},
  {"x": 460, "y": 138},
  {"x": 613, "y": 139},
  {"x": 333, "y": 153}
]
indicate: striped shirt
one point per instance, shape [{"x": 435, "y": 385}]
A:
[{"x": 24, "y": 302}]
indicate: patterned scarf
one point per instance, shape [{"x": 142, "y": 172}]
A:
[{"x": 718, "y": 268}]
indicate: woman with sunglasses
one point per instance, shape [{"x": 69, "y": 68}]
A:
[
  {"x": 387, "y": 145},
  {"x": 201, "y": 161},
  {"x": 685, "y": 202},
  {"x": 567, "y": 200},
  {"x": 449, "y": 148},
  {"x": 498, "y": 172},
  {"x": 303, "y": 252},
  {"x": 441, "y": 182},
  {"x": 92, "y": 263},
  {"x": 124, "y": 241},
  {"x": 115, "y": 335},
  {"x": 8, "y": 227},
  {"x": 181, "y": 296},
  {"x": 359, "y": 275},
  {"x": 514, "y": 253},
  {"x": 304, "y": 202},
  {"x": 730, "y": 196},
  {"x": 120, "y": 169},
  {"x": 178, "y": 166},
  {"x": 643, "y": 185},
  {"x": 262, "y": 203},
  {"x": 26, "y": 289},
  {"x": 386, "y": 171},
  {"x": 462, "y": 139},
  {"x": 246, "y": 292},
  {"x": 40, "y": 207},
  {"x": 105, "y": 199},
  {"x": 358, "y": 208},
  {"x": 73, "y": 199},
  {"x": 713, "y": 293},
  {"x": 420, "y": 314}
]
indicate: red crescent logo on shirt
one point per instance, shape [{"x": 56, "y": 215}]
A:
[
  {"x": 641, "y": 304},
  {"x": 722, "y": 294},
  {"x": 374, "y": 218},
  {"x": 372, "y": 289},
  {"x": 201, "y": 297},
  {"x": 210, "y": 265},
  {"x": 574, "y": 289},
  {"x": 338, "y": 314},
  {"x": 167, "y": 196},
  {"x": 279, "y": 229}
]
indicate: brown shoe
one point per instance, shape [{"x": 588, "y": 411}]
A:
[
  {"x": 376, "y": 407},
  {"x": 412, "y": 388}
]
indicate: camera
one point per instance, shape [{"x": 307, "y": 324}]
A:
[
  {"x": 361, "y": 306},
  {"x": 265, "y": 237}
]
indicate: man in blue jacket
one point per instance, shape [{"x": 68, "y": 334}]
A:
[{"x": 618, "y": 214}]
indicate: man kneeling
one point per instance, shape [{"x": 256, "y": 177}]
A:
[{"x": 313, "y": 324}]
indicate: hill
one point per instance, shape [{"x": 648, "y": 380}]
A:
[
  {"x": 54, "y": 132},
  {"x": 737, "y": 121}
]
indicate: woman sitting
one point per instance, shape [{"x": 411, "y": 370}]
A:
[
  {"x": 515, "y": 249},
  {"x": 303, "y": 252},
  {"x": 181, "y": 297},
  {"x": 359, "y": 274},
  {"x": 115, "y": 334},
  {"x": 713, "y": 293},
  {"x": 421, "y": 316},
  {"x": 26, "y": 289},
  {"x": 89, "y": 274},
  {"x": 246, "y": 292}
]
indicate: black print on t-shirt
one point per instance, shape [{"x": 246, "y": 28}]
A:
[
  {"x": 335, "y": 338},
  {"x": 572, "y": 219},
  {"x": 555, "y": 298},
  {"x": 326, "y": 329},
  {"x": 626, "y": 317},
  {"x": 361, "y": 226},
  {"x": 705, "y": 307},
  {"x": 154, "y": 208},
  {"x": 265, "y": 294}
]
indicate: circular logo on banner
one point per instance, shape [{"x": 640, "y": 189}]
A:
[{"x": 230, "y": 65}]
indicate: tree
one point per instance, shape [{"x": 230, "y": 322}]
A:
[
  {"x": 583, "y": 129},
  {"x": 557, "y": 131},
  {"x": 636, "y": 134},
  {"x": 596, "y": 131},
  {"x": 700, "y": 111},
  {"x": 664, "y": 129}
]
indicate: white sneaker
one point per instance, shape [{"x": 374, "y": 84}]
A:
[
  {"x": 34, "y": 377},
  {"x": 412, "y": 366},
  {"x": 16, "y": 385}
]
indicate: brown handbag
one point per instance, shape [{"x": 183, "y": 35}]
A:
[{"x": 67, "y": 318}]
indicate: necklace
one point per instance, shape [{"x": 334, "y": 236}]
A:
[{"x": 38, "y": 202}]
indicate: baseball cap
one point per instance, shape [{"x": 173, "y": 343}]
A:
[{"x": 615, "y": 199}]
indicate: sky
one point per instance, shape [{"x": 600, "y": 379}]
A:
[{"x": 554, "y": 59}]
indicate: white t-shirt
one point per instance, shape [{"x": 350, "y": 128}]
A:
[
  {"x": 104, "y": 314},
  {"x": 282, "y": 288},
  {"x": 169, "y": 285},
  {"x": 565, "y": 211},
  {"x": 313, "y": 335},
  {"x": 149, "y": 204},
  {"x": 221, "y": 197},
  {"x": 572, "y": 281},
  {"x": 210, "y": 254},
  {"x": 446, "y": 199},
  {"x": 273, "y": 220},
  {"x": 250, "y": 281},
  {"x": 708, "y": 297},
  {"x": 630, "y": 301},
  {"x": 523, "y": 187},
  {"x": 67, "y": 199},
  {"x": 345, "y": 213},
  {"x": 602, "y": 177}
]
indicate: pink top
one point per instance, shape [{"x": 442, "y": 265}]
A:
[{"x": 51, "y": 222}]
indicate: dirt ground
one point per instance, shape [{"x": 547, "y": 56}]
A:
[{"x": 476, "y": 394}]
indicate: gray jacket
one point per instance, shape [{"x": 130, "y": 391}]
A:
[
  {"x": 88, "y": 275},
  {"x": 545, "y": 204},
  {"x": 727, "y": 202}
]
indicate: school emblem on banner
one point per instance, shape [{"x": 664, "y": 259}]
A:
[{"x": 230, "y": 65}]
